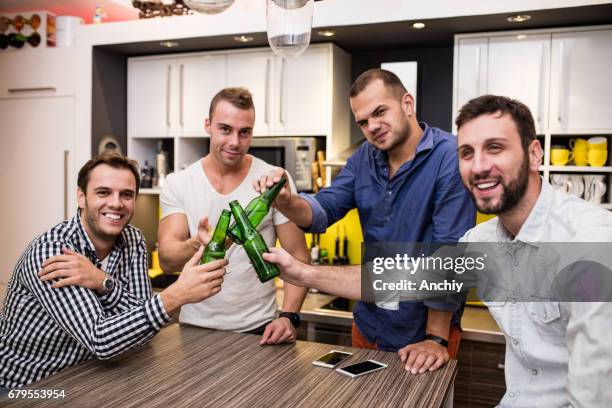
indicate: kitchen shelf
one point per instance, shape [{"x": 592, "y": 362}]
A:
[
  {"x": 152, "y": 191},
  {"x": 153, "y": 137},
  {"x": 577, "y": 169}
]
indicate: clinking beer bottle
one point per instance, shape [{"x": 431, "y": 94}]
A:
[
  {"x": 216, "y": 247},
  {"x": 257, "y": 209},
  {"x": 253, "y": 244}
]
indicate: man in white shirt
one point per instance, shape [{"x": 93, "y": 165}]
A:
[
  {"x": 195, "y": 196},
  {"x": 557, "y": 353}
]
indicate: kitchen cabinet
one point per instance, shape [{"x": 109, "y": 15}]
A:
[
  {"x": 171, "y": 96},
  {"x": 37, "y": 113},
  {"x": 558, "y": 73},
  {"x": 480, "y": 381},
  {"x": 525, "y": 81},
  {"x": 254, "y": 70},
  {"x": 200, "y": 78},
  {"x": 296, "y": 96},
  {"x": 580, "y": 88},
  {"x": 470, "y": 69}
]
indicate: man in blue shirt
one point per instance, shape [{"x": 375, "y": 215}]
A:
[{"x": 406, "y": 186}]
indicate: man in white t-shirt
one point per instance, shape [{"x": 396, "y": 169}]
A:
[{"x": 195, "y": 196}]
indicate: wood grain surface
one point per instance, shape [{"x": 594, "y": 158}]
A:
[{"x": 186, "y": 366}]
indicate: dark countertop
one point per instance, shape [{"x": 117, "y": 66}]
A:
[
  {"x": 185, "y": 366},
  {"x": 477, "y": 323}
]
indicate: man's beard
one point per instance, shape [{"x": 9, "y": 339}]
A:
[
  {"x": 403, "y": 134},
  {"x": 512, "y": 193}
]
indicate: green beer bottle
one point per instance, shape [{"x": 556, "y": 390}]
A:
[
  {"x": 257, "y": 209},
  {"x": 253, "y": 244},
  {"x": 216, "y": 247}
]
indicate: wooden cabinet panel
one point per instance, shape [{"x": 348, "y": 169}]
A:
[{"x": 480, "y": 381}]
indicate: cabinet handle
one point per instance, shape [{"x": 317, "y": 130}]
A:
[
  {"x": 41, "y": 89},
  {"x": 282, "y": 92},
  {"x": 561, "y": 75},
  {"x": 267, "y": 116},
  {"x": 540, "y": 97},
  {"x": 168, "y": 95},
  {"x": 66, "y": 154},
  {"x": 181, "y": 90},
  {"x": 478, "y": 79},
  {"x": 501, "y": 366}
]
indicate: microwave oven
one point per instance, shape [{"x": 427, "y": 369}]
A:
[{"x": 294, "y": 154}]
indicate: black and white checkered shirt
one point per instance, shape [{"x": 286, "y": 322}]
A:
[{"x": 43, "y": 330}]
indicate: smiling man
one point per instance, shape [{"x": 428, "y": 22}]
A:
[
  {"x": 81, "y": 289},
  {"x": 197, "y": 194}
]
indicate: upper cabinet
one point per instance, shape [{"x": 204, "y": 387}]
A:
[
  {"x": 254, "y": 70},
  {"x": 526, "y": 81},
  {"x": 580, "y": 88},
  {"x": 558, "y": 74},
  {"x": 169, "y": 96},
  {"x": 470, "y": 69}
]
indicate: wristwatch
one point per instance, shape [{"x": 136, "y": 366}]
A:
[
  {"x": 437, "y": 339},
  {"x": 294, "y": 318},
  {"x": 108, "y": 284}
]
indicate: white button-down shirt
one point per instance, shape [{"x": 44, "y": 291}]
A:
[{"x": 557, "y": 354}]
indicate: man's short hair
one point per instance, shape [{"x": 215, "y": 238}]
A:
[
  {"x": 390, "y": 80},
  {"x": 490, "y": 104},
  {"x": 240, "y": 98},
  {"x": 114, "y": 160}
]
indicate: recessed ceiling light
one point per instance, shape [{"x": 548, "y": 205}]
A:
[
  {"x": 243, "y": 38},
  {"x": 519, "y": 18},
  {"x": 418, "y": 25},
  {"x": 521, "y": 36},
  {"x": 327, "y": 33},
  {"x": 169, "y": 44}
]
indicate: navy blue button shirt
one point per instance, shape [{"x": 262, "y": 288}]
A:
[{"x": 424, "y": 201}]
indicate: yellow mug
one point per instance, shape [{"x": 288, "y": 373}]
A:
[
  {"x": 597, "y": 158},
  {"x": 598, "y": 143},
  {"x": 580, "y": 149},
  {"x": 560, "y": 155}
]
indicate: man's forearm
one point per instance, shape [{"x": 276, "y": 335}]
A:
[
  {"x": 297, "y": 210},
  {"x": 294, "y": 295},
  {"x": 174, "y": 254},
  {"x": 344, "y": 281},
  {"x": 438, "y": 322}
]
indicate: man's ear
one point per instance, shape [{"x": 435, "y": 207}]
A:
[
  {"x": 535, "y": 155},
  {"x": 80, "y": 198},
  {"x": 207, "y": 126},
  {"x": 408, "y": 104}
]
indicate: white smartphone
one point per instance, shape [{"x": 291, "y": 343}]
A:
[
  {"x": 332, "y": 359},
  {"x": 362, "y": 368}
]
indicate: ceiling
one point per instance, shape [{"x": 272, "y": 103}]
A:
[{"x": 396, "y": 34}]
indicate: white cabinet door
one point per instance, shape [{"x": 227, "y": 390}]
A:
[
  {"x": 471, "y": 74},
  {"x": 580, "y": 87},
  {"x": 36, "y": 133},
  {"x": 518, "y": 67},
  {"x": 254, "y": 71},
  {"x": 305, "y": 93},
  {"x": 200, "y": 78},
  {"x": 152, "y": 93}
]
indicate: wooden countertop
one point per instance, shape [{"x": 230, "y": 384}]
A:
[{"x": 186, "y": 366}]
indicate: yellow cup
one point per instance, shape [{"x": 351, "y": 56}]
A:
[
  {"x": 580, "y": 149},
  {"x": 597, "y": 158},
  {"x": 560, "y": 156},
  {"x": 598, "y": 143}
]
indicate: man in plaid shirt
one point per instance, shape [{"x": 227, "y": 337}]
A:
[{"x": 81, "y": 289}]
